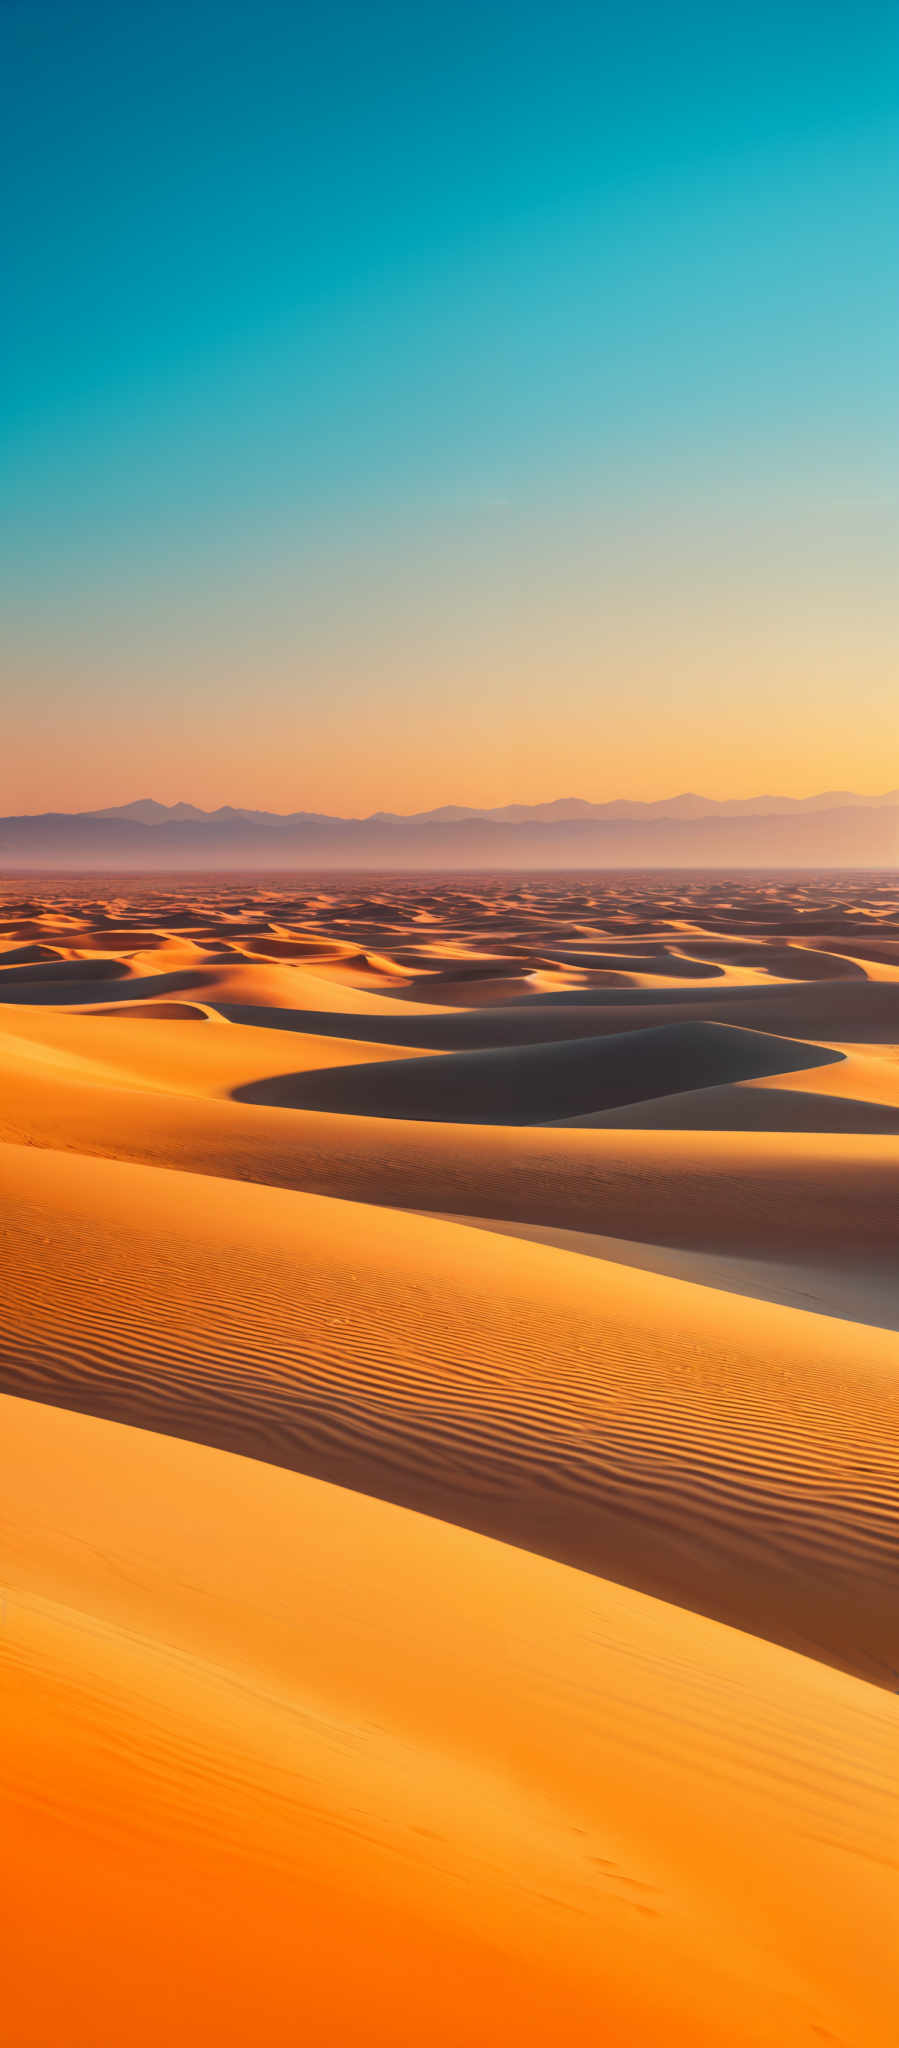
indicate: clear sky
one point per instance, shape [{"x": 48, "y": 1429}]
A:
[{"x": 410, "y": 403}]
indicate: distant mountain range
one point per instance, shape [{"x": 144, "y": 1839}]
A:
[{"x": 835, "y": 829}]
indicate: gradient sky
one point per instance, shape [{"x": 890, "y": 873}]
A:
[{"x": 411, "y": 403}]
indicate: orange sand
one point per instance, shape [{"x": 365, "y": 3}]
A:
[
  {"x": 293, "y": 1748},
  {"x": 281, "y": 1763}
]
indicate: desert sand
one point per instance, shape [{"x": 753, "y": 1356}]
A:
[{"x": 448, "y": 1377}]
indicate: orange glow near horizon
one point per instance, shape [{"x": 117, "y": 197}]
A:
[
  {"x": 692, "y": 643},
  {"x": 357, "y": 760}
]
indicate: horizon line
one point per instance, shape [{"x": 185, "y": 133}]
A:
[{"x": 100, "y": 811}]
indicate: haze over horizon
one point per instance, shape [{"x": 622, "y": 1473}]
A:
[
  {"x": 427, "y": 408},
  {"x": 831, "y": 830}
]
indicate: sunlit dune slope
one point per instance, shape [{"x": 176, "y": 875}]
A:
[
  {"x": 176, "y": 970},
  {"x": 107, "y": 1049},
  {"x": 739, "y": 1458},
  {"x": 244, "y": 1805},
  {"x": 863, "y": 1075}
]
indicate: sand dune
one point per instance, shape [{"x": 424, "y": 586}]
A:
[
  {"x": 251, "y": 991},
  {"x": 860, "y": 1011},
  {"x": 769, "y": 1195},
  {"x": 292, "y": 1746},
  {"x": 866, "y": 1293},
  {"x": 562, "y": 1816},
  {"x": 787, "y": 988},
  {"x": 544, "y": 1083},
  {"x": 155, "y": 1013},
  {"x": 743, "y": 1107},
  {"x": 850, "y": 1091},
  {"x": 249, "y": 982},
  {"x": 861, "y": 1076},
  {"x": 650, "y": 1431},
  {"x": 49, "y": 979},
  {"x": 104, "y": 1046}
]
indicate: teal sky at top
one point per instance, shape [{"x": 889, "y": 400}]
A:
[{"x": 311, "y": 271}]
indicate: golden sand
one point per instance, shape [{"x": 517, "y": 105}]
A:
[{"x": 415, "y": 1631}]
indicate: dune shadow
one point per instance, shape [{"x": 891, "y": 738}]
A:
[{"x": 538, "y": 1084}]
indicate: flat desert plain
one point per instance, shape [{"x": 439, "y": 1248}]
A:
[{"x": 448, "y": 1373}]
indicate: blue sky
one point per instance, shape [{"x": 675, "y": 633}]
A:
[{"x": 405, "y": 364}]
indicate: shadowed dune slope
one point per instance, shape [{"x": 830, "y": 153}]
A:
[
  {"x": 855, "y": 1091},
  {"x": 739, "y": 1458},
  {"x": 861, "y": 1293},
  {"x": 51, "y": 979},
  {"x": 554, "y": 1826},
  {"x": 542, "y": 1083},
  {"x": 859, "y": 1011},
  {"x": 853, "y": 1012},
  {"x": 745, "y": 1108}
]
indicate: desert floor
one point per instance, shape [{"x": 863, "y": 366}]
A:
[{"x": 448, "y": 1379}]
